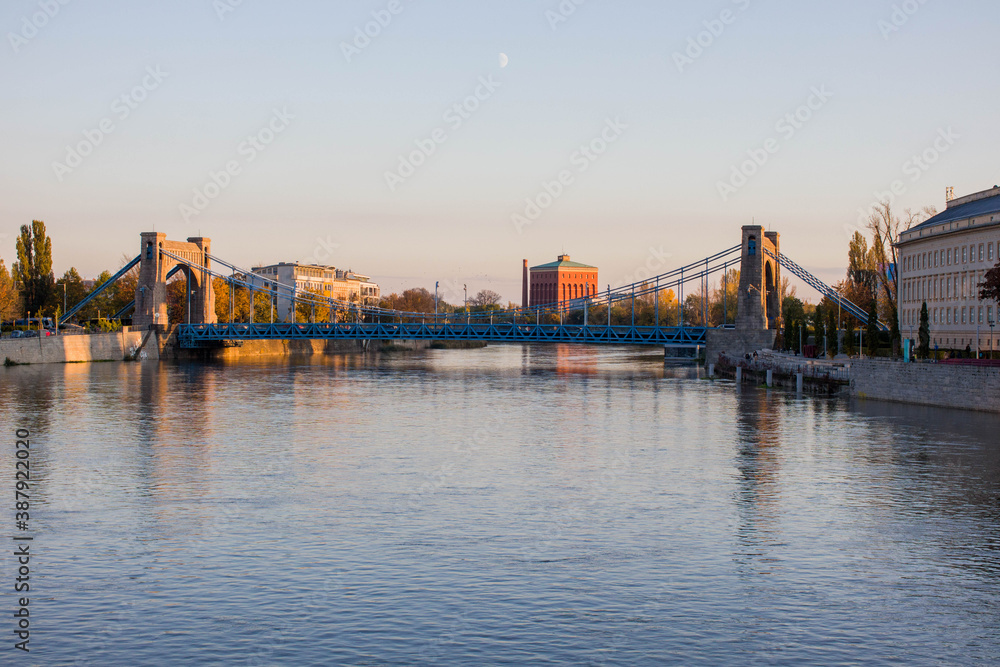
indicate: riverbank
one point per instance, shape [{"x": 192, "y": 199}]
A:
[
  {"x": 944, "y": 385},
  {"x": 129, "y": 345},
  {"x": 121, "y": 345}
]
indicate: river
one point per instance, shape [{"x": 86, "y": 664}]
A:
[{"x": 512, "y": 505}]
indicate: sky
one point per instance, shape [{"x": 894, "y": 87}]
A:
[{"x": 392, "y": 138}]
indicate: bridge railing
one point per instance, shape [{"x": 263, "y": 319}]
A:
[{"x": 201, "y": 335}]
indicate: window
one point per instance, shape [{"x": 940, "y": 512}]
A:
[
  {"x": 980, "y": 314},
  {"x": 949, "y": 256},
  {"x": 964, "y": 259},
  {"x": 989, "y": 252},
  {"x": 981, "y": 252}
]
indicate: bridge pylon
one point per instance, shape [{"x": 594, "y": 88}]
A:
[
  {"x": 154, "y": 267},
  {"x": 758, "y": 314},
  {"x": 759, "y": 303}
]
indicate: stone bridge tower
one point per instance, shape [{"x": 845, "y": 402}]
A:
[
  {"x": 758, "y": 304},
  {"x": 154, "y": 270}
]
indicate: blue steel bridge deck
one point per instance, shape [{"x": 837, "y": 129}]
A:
[{"x": 209, "y": 335}]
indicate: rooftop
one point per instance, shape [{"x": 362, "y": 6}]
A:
[
  {"x": 564, "y": 263},
  {"x": 971, "y": 206}
]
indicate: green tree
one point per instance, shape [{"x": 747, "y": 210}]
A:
[
  {"x": 895, "y": 337},
  {"x": 69, "y": 289},
  {"x": 10, "y": 298},
  {"x": 33, "y": 270},
  {"x": 724, "y": 299},
  {"x": 871, "y": 334},
  {"x": 924, "y": 333},
  {"x": 850, "y": 346},
  {"x": 100, "y": 306},
  {"x": 833, "y": 343},
  {"x": 792, "y": 312},
  {"x": 817, "y": 326}
]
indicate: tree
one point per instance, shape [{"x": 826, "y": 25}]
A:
[
  {"x": 924, "y": 333},
  {"x": 817, "y": 321},
  {"x": 486, "y": 298},
  {"x": 895, "y": 336},
  {"x": 792, "y": 312},
  {"x": 871, "y": 334},
  {"x": 785, "y": 288},
  {"x": 102, "y": 305},
  {"x": 833, "y": 345},
  {"x": 176, "y": 300},
  {"x": 33, "y": 270},
  {"x": 850, "y": 348},
  {"x": 69, "y": 286},
  {"x": 10, "y": 298},
  {"x": 989, "y": 289},
  {"x": 417, "y": 300},
  {"x": 885, "y": 227}
]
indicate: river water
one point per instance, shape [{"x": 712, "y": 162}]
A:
[{"x": 536, "y": 505}]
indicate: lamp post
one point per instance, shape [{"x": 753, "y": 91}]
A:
[
  {"x": 992, "y": 324},
  {"x": 436, "y": 284},
  {"x": 466, "y": 288}
]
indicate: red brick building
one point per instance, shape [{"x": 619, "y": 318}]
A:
[{"x": 557, "y": 281}]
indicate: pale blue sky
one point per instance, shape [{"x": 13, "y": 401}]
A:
[{"x": 323, "y": 177}]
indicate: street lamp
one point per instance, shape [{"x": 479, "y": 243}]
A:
[
  {"x": 466, "y": 288},
  {"x": 992, "y": 324}
]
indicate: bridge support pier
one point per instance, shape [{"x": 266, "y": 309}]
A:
[
  {"x": 154, "y": 267},
  {"x": 758, "y": 315}
]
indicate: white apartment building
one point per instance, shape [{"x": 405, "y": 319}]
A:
[
  {"x": 326, "y": 281},
  {"x": 942, "y": 262}
]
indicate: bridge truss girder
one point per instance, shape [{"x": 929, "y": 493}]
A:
[{"x": 208, "y": 335}]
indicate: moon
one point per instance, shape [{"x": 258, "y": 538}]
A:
[{"x": 504, "y": 60}]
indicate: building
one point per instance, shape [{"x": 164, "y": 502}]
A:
[
  {"x": 561, "y": 280},
  {"x": 326, "y": 281},
  {"x": 942, "y": 262}
]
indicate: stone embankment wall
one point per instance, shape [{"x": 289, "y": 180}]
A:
[
  {"x": 76, "y": 348},
  {"x": 735, "y": 342},
  {"x": 166, "y": 342},
  {"x": 940, "y": 385}
]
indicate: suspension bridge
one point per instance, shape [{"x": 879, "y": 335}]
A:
[{"x": 585, "y": 320}]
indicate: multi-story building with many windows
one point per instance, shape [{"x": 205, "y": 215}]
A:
[
  {"x": 326, "y": 281},
  {"x": 562, "y": 280},
  {"x": 942, "y": 262}
]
